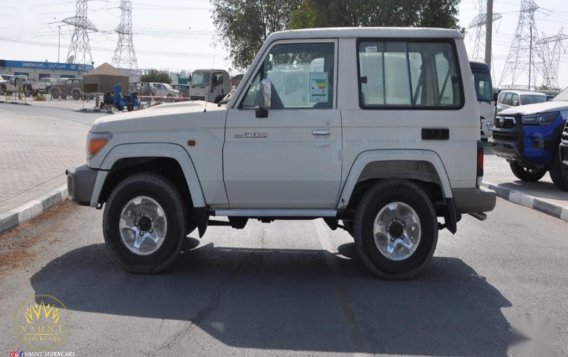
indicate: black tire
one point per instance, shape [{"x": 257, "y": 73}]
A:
[
  {"x": 377, "y": 198},
  {"x": 525, "y": 174},
  {"x": 559, "y": 172},
  {"x": 2, "y": 89},
  {"x": 167, "y": 196},
  {"x": 54, "y": 93},
  {"x": 129, "y": 107},
  {"x": 170, "y": 98},
  {"x": 76, "y": 95}
]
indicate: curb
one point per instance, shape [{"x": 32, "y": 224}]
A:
[
  {"x": 95, "y": 110},
  {"x": 523, "y": 199},
  {"x": 19, "y": 103},
  {"x": 32, "y": 209}
]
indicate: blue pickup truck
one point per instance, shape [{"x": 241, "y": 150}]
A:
[{"x": 528, "y": 137}]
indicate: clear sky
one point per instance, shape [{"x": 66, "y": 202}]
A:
[{"x": 179, "y": 34}]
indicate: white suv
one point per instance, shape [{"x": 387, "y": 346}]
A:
[{"x": 383, "y": 148}]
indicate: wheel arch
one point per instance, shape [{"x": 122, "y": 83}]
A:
[
  {"x": 171, "y": 160},
  {"x": 417, "y": 165}
]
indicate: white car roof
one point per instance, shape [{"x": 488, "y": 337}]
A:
[{"x": 355, "y": 32}]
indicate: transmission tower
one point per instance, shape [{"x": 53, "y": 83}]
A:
[
  {"x": 553, "y": 47},
  {"x": 479, "y": 23},
  {"x": 79, "y": 49},
  {"x": 124, "y": 55},
  {"x": 525, "y": 54}
]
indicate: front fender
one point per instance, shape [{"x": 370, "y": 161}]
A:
[
  {"x": 172, "y": 151},
  {"x": 386, "y": 156}
]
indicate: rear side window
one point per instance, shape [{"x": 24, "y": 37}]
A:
[{"x": 404, "y": 74}]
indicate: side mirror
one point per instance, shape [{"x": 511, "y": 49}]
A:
[
  {"x": 515, "y": 103},
  {"x": 266, "y": 92}
]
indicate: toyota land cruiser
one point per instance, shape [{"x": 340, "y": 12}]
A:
[{"x": 375, "y": 130}]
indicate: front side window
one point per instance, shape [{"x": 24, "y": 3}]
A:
[
  {"x": 532, "y": 99},
  {"x": 301, "y": 77},
  {"x": 408, "y": 74},
  {"x": 483, "y": 87}
]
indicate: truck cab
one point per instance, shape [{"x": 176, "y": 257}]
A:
[{"x": 210, "y": 85}]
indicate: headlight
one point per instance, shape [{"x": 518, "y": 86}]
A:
[
  {"x": 96, "y": 142},
  {"x": 540, "y": 119}
]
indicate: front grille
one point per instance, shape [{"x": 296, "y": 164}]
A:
[
  {"x": 565, "y": 134},
  {"x": 503, "y": 136},
  {"x": 504, "y": 122}
]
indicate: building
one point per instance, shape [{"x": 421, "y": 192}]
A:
[{"x": 38, "y": 70}]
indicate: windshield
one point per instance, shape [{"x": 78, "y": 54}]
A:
[
  {"x": 200, "y": 79},
  {"x": 483, "y": 87},
  {"x": 562, "y": 96},
  {"x": 531, "y": 99}
]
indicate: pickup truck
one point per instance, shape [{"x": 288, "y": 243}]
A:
[
  {"x": 10, "y": 84},
  {"x": 528, "y": 136},
  {"x": 373, "y": 130}
]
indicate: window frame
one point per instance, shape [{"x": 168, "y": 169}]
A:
[
  {"x": 260, "y": 64},
  {"x": 406, "y": 41}
]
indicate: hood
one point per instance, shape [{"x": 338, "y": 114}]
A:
[
  {"x": 163, "y": 117},
  {"x": 536, "y": 108}
]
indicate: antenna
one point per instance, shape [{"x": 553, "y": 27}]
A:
[
  {"x": 212, "y": 67},
  {"x": 79, "y": 49}
]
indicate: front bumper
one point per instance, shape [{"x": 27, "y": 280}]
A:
[
  {"x": 474, "y": 200},
  {"x": 80, "y": 183}
]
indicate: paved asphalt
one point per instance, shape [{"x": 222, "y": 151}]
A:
[{"x": 496, "y": 288}]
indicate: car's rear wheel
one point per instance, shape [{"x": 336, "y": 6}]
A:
[
  {"x": 76, "y": 95},
  {"x": 526, "y": 174},
  {"x": 144, "y": 223},
  {"x": 395, "y": 229},
  {"x": 559, "y": 172}
]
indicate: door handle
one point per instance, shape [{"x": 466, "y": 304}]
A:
[{"x": 321, "y": 132}]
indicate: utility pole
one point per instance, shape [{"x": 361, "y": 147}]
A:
[
  {"x": 58, "y": 42},
  {"x": 489, "y": 33}
]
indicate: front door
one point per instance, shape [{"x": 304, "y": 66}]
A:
[{"x": 292, "y": 157}]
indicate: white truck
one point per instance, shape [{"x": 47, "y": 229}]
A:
[
  {"x": 10, "y": 83},
  {"x": 210, "y": 85},
  {"x": 387, "y": 148}
]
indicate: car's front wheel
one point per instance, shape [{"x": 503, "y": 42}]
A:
[
  {"x": 144, "y": 223},
  {"x": 526, "y": 174},
  {"x": 395, "y": 229}
]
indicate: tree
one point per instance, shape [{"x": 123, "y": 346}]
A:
[
  {"x": 156, "y": 76},
  {"x": 243, "y": 25},
  {"x": 416, "y": 13}
]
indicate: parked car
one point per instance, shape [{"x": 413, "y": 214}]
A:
[
  {"x": 157, "y": 89},
  {"x": 67, "y": 87},
  {"x": 183, "y": 89},
  {"x": 15, "y": 83},
  {"x": 528, "y": 137},
  {"x": 327, "y": 123},
  {"x": 514, "y": 98}
]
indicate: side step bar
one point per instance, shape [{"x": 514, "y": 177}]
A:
[{"x": 479, "y": 215}]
